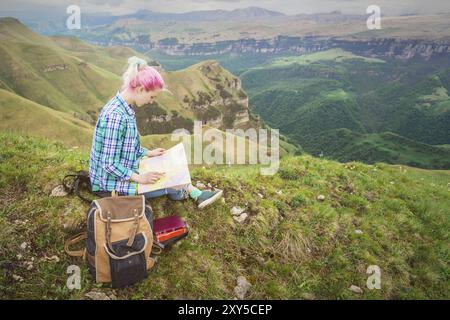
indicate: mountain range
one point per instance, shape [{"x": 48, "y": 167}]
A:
[
  {"x": 51, "y": 83},
  {"x": 348, "y": 107}
]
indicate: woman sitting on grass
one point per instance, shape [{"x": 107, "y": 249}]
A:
[{"x": 116, "y": 149}]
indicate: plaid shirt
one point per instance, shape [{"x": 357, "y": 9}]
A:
[{"x": 116, "y": 149}]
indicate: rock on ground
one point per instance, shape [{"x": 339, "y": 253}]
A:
[
  {"x": 355, "y": 289},
  {"x": 58, "y": 192},
  {"x": 241, "y": 218},
  {"x": 97, "y": 295},
  {"x": 242, "y": 287},
  {"x": 236, "y": 211}
]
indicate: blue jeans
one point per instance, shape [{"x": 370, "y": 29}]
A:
[{"x": 173, "y": 194}]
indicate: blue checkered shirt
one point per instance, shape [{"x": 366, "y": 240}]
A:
[{"x": 116, "y": 149}]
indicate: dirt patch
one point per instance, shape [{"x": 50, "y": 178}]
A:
[{"x": 12, "y": 194}]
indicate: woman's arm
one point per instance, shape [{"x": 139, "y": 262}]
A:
[{"x": 113, "y": 129}]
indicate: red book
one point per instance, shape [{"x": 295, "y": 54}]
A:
[{"x": 169, "y": 229}]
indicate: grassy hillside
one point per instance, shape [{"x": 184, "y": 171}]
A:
[
  {"x": 34, "y": 67},
  {"x": 112, "y": 58},
  {"x": 336, "y": 55},
  {"x": 311, "y": 97},
  {"x": 345, "y": 145},
  {"x": 20, "y": 115},
  {"x": 291, "y": 246}
]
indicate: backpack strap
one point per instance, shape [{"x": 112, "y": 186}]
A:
[
  {"x": 73, "y": 240},
  {"x": 77, "y": 191},
  {"x": 77, "y": 180}
]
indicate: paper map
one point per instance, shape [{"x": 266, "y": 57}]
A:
[{"x": 173, "y": 163}]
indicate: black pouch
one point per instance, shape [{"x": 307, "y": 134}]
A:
[{"x": 128, "y": 264}]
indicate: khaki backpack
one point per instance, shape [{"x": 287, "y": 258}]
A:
[{"x": 119, "y": 240}]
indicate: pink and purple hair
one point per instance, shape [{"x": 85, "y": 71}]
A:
[{"x": 140, "y": 74}]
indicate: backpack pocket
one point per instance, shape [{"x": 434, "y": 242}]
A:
[{"x": 128, "y": 263}]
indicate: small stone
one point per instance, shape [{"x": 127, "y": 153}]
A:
[
  {"x": 241, "y": 218},
  {"x": 355, "y": 289},
  {"x": 242, "y": 287},
  {"x": 358, "y": 232},
  {"x": 260, "y": 195},
  {"x": 321, "y": 197},
  {"x": 23, "y": 246},
  {"x": 308, "y": 296},
  {"x": 17, "y": 278},
  {"x": 200, "y": 185},
  {"x": 260, "y": 259},
  {"x": 97, "y": 295},
  {"x": 236, "y": 211},
  {"x": 58, "y": 192},
  {"x": 54, "y": 259}
]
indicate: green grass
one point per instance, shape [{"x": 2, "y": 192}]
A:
[{"x": 291, "y": 246}]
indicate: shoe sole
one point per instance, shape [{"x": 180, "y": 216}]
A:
[{"x": 210, "y": 200}]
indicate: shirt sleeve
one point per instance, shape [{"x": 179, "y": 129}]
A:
[
  {"x": 142, "y": 152},
  {"x": 114, "y": 128}
]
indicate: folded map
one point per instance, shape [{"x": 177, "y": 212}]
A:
[{"x": 173, "y": 163}]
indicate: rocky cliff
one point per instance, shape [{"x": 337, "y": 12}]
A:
[
  {"x": 389, "y": 48},
  {"x": 383, "y": 47}
]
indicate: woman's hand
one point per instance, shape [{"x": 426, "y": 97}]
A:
[
  {"x": 156, "y": 152},
  {"x": 147, "y": 178}
]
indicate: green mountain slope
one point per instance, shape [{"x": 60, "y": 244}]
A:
[
  {"x": 18, "y": 114},
  {"x": 112, "y": 58},
  {"x": 345, "y": 145},
  {"x": 309, "y": 98},
  {"x": 35, "y": 68},
  {"x": 292, "y": 245}
]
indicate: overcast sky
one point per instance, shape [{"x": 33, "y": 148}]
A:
[{"x": 388, "y": 7}]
